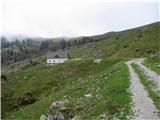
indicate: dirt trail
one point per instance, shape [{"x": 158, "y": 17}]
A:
[
  {"x": 153, "y": 77},
  {"x": 143, "y": 107}
]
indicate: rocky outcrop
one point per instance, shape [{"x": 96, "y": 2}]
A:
[
  {"x": 61, "y": 110},
  {"x": 58, "y": 116}
]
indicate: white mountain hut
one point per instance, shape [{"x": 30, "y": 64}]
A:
[{"x": 57, "y": 58}]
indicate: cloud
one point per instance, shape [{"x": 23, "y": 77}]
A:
[{"x": 54, "y": 19}]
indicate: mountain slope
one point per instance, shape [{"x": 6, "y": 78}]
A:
[{"x": 138, "y": 42}]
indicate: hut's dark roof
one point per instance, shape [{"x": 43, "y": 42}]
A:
[{"x": 54, "y": 55}]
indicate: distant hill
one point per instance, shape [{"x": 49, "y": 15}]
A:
[{"x": 138, "y": 42}]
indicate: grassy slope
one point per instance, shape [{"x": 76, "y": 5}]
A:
[
  {"x": 153, "y": 63},
  {"x": 148, "y": 86},
  {"x": 107, "y": 82},
  {"x": 138, "y": 42}
]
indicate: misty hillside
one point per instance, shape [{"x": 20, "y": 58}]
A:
[{"x": 128, "y": 44}]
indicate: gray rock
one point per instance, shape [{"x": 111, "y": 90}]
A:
[
  {"x": 97, "y": 61},
  {"x": 43, "y": 117},
  {"x": 103, "y": 117},
  {"x": 57, "y": 116},
  {"x": 60, "y": 105},
  {"x": 54, "y": 106},
  {"x": 62, "y": 108}
]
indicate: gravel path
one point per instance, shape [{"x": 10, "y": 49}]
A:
[
  {"x": 152, "y": 76},
  {"x": 143, "y": 107}
]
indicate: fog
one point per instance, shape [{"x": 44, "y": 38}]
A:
[{"x": 47, "y": 18}]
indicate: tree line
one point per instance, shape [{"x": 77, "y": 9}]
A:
[{"x": 13, "y": 51}]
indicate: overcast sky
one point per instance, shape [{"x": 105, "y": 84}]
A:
[{"x": 48, "y": 18}]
